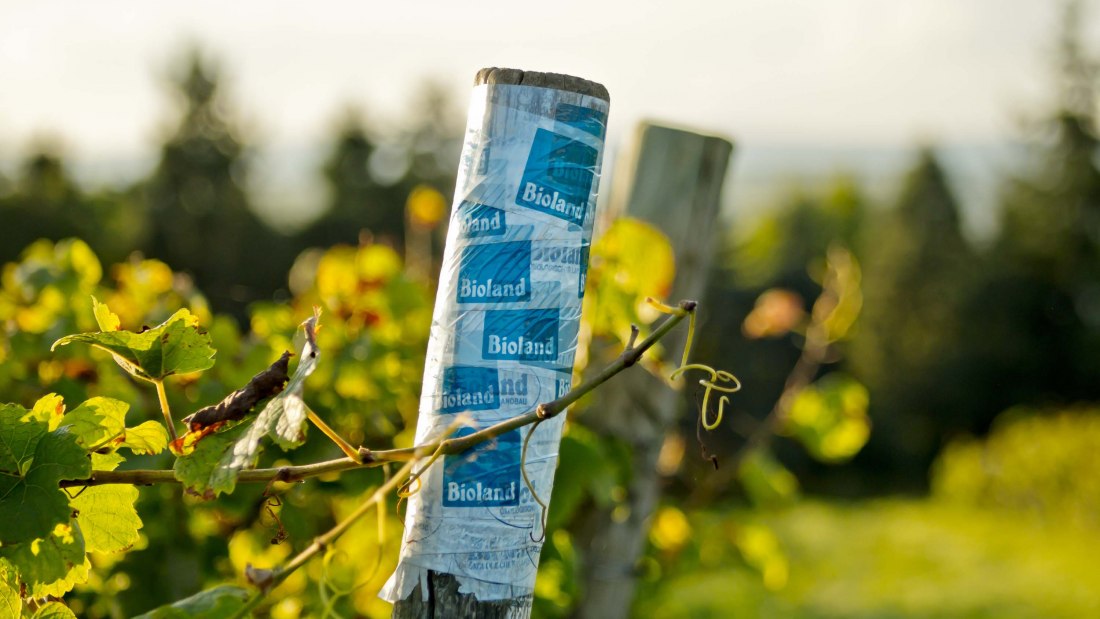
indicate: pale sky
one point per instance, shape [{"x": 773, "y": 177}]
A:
[
  {"x": 835, "y": 73},
  {"x": 813, "y": 71}
]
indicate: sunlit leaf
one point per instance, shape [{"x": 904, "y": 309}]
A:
[
  {"x": 219, "y": 602},
  {"x": 97, "y": 420},
  {"x": 53, "y": 610},
  {"x": 106, "y": 319},
  {"x": 49, "y": 409},
  {"x": 51, "y": 565},
  {"x": 830, "y": 418},
  {"x": 11, "y": 604},
  {"x": 176, "y": 346},
  {"x": 631, "y": 261},
  {"x": 149, "y": 437},
  {"x": 107, "y": 517}
]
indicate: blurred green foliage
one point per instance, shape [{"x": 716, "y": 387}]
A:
[
  {"x": 1042, "y": 464},
  {"x": 875, "y": 559}
]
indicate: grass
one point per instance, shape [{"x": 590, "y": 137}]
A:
[{"x": 883, "y": 559}]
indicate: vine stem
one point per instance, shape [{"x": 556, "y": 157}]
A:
[
  {"x": 271, "y": 579},
  {"x": 368, "y": 458},
  {"x": 163, "y": 397}
]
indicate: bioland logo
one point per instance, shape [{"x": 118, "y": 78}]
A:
[
  {"x": 495, "y": 273},
  {"x": 477, "y": 220},
  {"x": 521, "y": 335},
  {"x": 469, "y": 389},
  {"x": 557, "y": 179},
  {"x": 485, "y": 476}
]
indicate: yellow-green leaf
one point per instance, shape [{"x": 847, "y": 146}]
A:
[
  {"x": 176, "y": 346},
  {"x": 107, "y": 517},
  {"x": 830, "y": 418},
  {"x": 97, "y": 420},
  {"x": 149, "y": 437},
  {"x": 53, "y": 610},
  {"x": 51, "y": 565},
  {"x": 106, "y": 319}
]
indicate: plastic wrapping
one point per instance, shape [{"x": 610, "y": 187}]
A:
[{"x": 503, "y": 334}]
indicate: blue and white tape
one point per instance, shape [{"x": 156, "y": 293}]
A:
[{"x": 504, "y": 334}]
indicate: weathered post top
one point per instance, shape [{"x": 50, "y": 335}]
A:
[
  {"x": 557, "y": 81},
  {"x": 503, "y": 339}
]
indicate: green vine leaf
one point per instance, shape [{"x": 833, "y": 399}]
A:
[
  {"x": 51, "y": 565},
  {"x": 149, "y": 437},
  {"x": 10, "y": 603},
  {"x": 107, "y": 517},
  {"x": 221, "y": 602},
  {"x": 830, "y": 418},
  {"x": 53, "y": 610},
  {"x": 32, "y": 462},
  {"x": 176, "y": 346},
  {"x": 194, "y": 471},
  {"x": 96, "y": 421},
  {"x": 49, "y": 409}
]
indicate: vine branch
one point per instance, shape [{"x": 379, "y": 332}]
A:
[{"x": 368, "y": 458}]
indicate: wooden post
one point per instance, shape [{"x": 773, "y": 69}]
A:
[
  {"x": 502, "y": 341},
  {"x": 672, "y": 180}
]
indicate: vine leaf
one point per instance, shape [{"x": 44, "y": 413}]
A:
[
  {"x": 149, "y": 437},
  {"x": 10, "y": 602},
  {"x": 97, "y": 420},
  {"x": 830, "y": 418},
  {"x": 194, "y": 471},
  {"x": 53, "y": 610},
  {"x": 284, "y": 418},
  {"x": 51, "y": 565},
  {"x": 106, "y": 514},
  {"x": 176, "y": 346},
  {"x": 220, "y": 602},
  {"x": 32, "y": 462},
  {"x": 49, "y": 409}
]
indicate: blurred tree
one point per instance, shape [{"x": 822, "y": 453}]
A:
[
  {"x": 917, "y": 266},
  {"x": 1035, "y": 318},
  {"x": 200, "y": 218},
  {"x": 370, "y": 177},
  {"x": 357, "y": 201},
  {"x": 45, "y": 203},
  {"x": 432, "y": 142},
  {"x": 434, "y": 139},
  {"x": 778, "y": 249}
]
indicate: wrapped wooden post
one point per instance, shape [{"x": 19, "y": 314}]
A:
[{"x": 503, "y": 338}]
